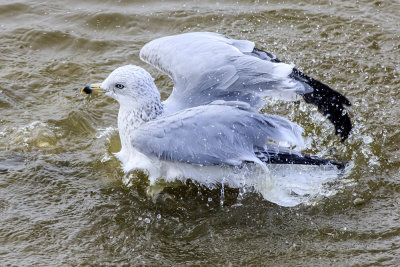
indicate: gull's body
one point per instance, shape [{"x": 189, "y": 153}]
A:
[{"x": 209, "y": 128}]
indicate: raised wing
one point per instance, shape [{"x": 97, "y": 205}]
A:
[
  {"x": 200, "y": 135},
  {"x": 206, "y": 67}
]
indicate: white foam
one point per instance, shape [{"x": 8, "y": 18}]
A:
[
  {"x": 105, "y": 133},
  {"x": 285, "y": 185}
]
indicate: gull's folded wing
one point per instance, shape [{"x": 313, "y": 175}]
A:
[{"x": 219, "y": 133}]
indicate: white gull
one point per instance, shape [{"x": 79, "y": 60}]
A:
[{"x": 209, "y": 129}]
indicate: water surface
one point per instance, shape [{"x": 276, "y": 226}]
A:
[{"x": 62, "y": 197}]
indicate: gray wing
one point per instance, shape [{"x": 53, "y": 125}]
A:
[
  {"x": 219, "y": 133},
  {"x": 208, "y": 66}
]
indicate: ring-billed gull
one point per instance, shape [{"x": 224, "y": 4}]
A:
[{"x": 210, "y": 127}]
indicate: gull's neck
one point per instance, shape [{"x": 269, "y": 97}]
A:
[{"x": 132, "y": 115}]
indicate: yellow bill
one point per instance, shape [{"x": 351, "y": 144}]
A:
[{"x": 92, "y": 88}]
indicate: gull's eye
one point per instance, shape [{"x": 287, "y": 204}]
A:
[{"x": 119, "y": 86}]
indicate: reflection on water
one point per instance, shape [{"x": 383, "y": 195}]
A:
[{"x": 62, "y": 197}]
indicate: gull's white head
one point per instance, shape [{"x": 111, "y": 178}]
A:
[
  {"x": 133, "y": 88},
  {"x": 131, "y": 85}
]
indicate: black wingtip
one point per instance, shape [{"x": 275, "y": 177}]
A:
[
  {"x": 298, "y": 158},
  {"x": 329, "y": 102}
]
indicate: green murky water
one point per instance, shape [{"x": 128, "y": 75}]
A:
[{"x": 62, "y": 200}]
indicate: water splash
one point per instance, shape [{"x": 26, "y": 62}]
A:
[
  {"x": 285, "y": 185},
  {"x": 36, "y": 134}
]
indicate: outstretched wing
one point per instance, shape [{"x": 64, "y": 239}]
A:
[
  {"x": 201, "y": 135},
  {"x": 208, "y": 66}
]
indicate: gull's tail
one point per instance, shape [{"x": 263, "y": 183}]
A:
[{"x": 292, "y": 157}]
